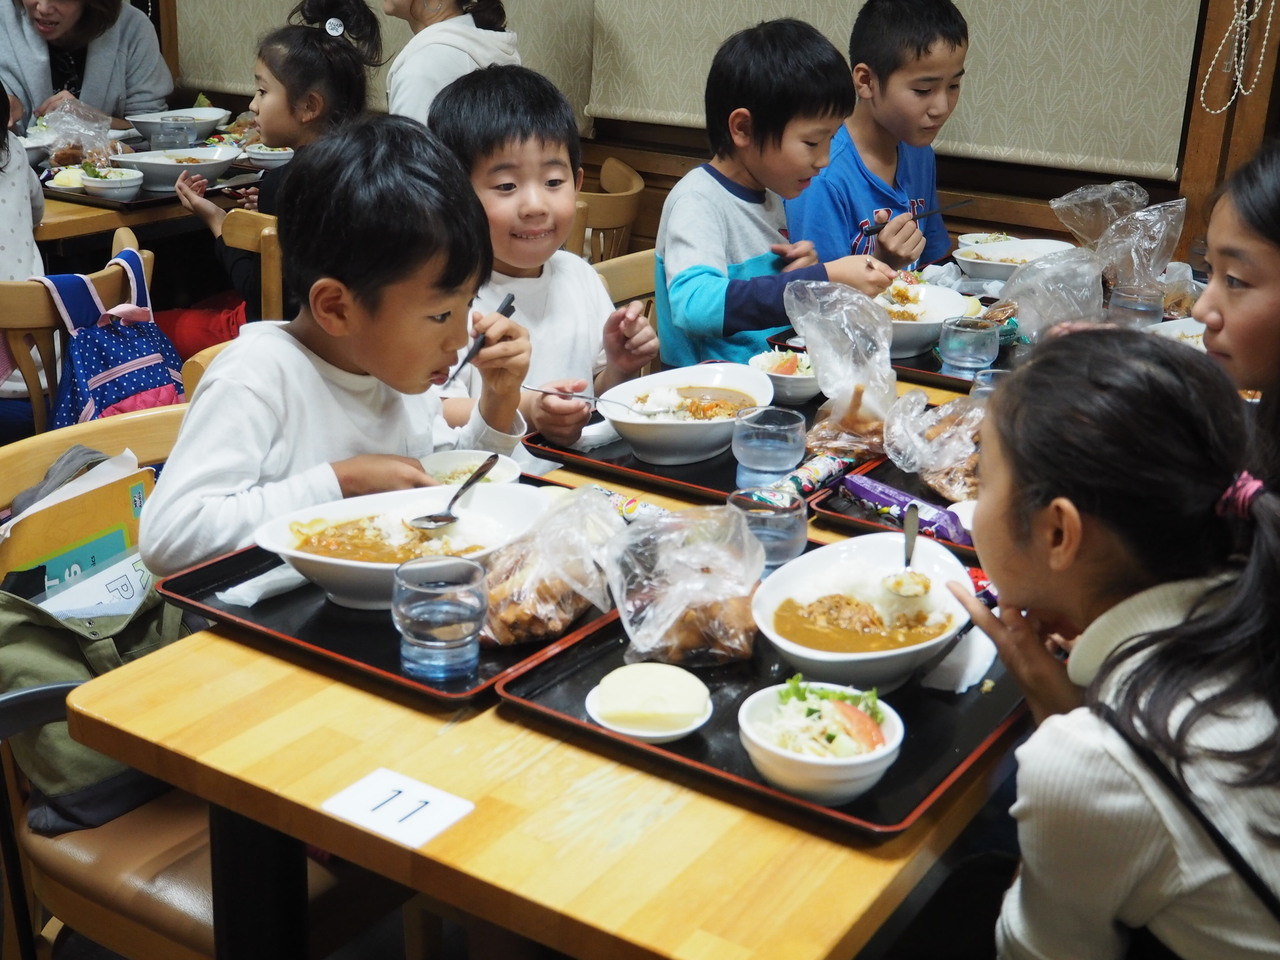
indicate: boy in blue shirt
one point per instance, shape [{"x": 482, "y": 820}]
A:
[
  {"x": 908, "y": 60},
  {"x": 776, "y": 93}
]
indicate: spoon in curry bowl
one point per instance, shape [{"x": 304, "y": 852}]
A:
[
  {"x": 569, "y": 395},
  {"x": 908, "y": 583},
  {"x": 446, "y": 516}
]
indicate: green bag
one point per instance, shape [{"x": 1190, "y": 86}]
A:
[{"x": 75, "y": 787}]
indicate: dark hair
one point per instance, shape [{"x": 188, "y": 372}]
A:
[
  {"x": 1254, "y": 190},
  {"x": 304, "y": 57},
  {"x": 483, "y": 111},
  {"x": 778, "y": 70},
  {"x": 1145, "y": 436},
  {"x": 488, "y": 14},
  {"x": 887, "y": 34},
  {"x": 373, "y": 201}
]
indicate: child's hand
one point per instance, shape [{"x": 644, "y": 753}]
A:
[
  {"x": 502, "y": 363},
  {"x": 900, "y": 242},
  {"x": 862, "y": 273},
  {"x": 629, "y": 342},
  {"x": 559, "y": 419},
  {"x": 799, "y": 254},
  {"x": 191, "y": 189},
  {"x": 1028, "y": 651},
  {"x": 249, "y": 198},
  {"x": 379, "y": 472}
]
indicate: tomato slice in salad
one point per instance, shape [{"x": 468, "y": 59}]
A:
[{"x": 860, "y": 727}]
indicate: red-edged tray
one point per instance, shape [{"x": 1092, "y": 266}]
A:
[
  {"x": 945, "y": 732},
  {"x": 363, "y": 641}
]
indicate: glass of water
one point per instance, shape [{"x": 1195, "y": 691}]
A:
[
  {"x": 985, "y": 382},
  {"x": 174, "y": 133},
  {"x": 439, "y": 606},
  {"x": 1134, "y": 305},
  {"x": 969, "y": 342},
  {"x": 778, "y": 518},
  {"x": 768, "y": 442}
]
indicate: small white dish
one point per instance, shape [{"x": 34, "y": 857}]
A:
[
  {"x": 975, "y": 239},
  {"x": 268, "y": 158},
  {"x": 1187, "y": 330},
  {"x": 454, "y": 466},
  {"x": 116, "y": 184},
  {"x": 645, "y": 736}
]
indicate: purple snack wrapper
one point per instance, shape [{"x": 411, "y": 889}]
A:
[{"x": 892, "y": 502}]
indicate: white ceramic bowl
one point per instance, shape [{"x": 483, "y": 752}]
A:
[
  {"x": 268, "y": 158},
  {"x": 1016, "y": 251},
  {"x": 446, "y": 466},
  {"x": 496, "y": 513},
  {"x": 787, "y": 387},
  {"x": 204, "y": 120},
  {"x": 161, "y": 169},
  {"x": 664, "y": 441},
  {"x": 645, "y": 736},
  {"x": 975, "y": 239},
  {"x": 1186, "y": 330},
  {"x": 826, "y": 780},
  {"x": 936, "y": 303},
  {"x": 839, "y": 566},
  {"x": 120, "y": 184}
]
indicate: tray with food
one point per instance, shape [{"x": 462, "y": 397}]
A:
[
  {"x": 337, "y": 594},
  {"x": 123, "y": 188}
]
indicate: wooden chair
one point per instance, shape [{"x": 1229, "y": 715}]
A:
[
  {"x": 256, "y": 232},
  {"x": 28, "y": 317},
  {"x": 631, "y": 277},
  {"x": 576, "y": 242},
  {"x": 611, "y": 213},
  {"x": 194, "y": 366},
  {"x": 139, "y": 885}
]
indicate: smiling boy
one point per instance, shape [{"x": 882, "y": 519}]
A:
[
  {"x": 775, "y": 95},
  {"x": 518, "y": 136},
  {"x": 908, "y": 60}
]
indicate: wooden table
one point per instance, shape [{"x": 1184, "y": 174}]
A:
[
  {"x": 64, "y": 220},
  {"x": 587, "y": 849}
]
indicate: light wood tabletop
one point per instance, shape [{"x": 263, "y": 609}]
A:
[{"x": 64, "y": 219}]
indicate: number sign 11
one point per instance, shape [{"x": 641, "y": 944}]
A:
[{"x": 398, "y": 807}]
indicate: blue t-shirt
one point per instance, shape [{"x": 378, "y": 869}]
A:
[
  {"x": 718, "y": 286},
  {"x": 846, "y": 195}
]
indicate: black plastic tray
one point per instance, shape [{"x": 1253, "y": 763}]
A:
[
  {"x": 365, "y": 641},
  {"x": 142, "y": 201},
  {"x": 833, "y": 508},
  {"x": 945, "y": 732}
]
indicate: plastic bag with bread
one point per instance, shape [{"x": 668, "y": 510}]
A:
[
  {"x": 542, "y": 581},
  {"x": 77, "y": 133},
  {"x": 683, "y": 586},
  {"x": 847, "y": 336},
  {"x": 938, "y": 443}
]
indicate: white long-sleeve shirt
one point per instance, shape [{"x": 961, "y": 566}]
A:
[{"x": 267, "y": 421}]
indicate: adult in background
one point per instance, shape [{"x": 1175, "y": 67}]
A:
[
  {"x": 104, "y": 53},
  {"x": 450, "y": 38}
]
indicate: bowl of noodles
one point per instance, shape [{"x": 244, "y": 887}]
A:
[
  {"x": 837, "y": 614},
  {"x": 998, "y": 260},
  {"x": 351, "y": 548},
  {"x": 917, "y": 311},
  {"x": 686, "y": 414}
]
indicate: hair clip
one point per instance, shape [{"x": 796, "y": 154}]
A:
[
  {"x": 334, "y": 27},
  {"x": 1238, "y": 497}
]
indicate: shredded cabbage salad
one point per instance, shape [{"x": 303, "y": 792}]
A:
[
  {"x": 819, "y": 722},
  {"x": 785, "y": 362}
]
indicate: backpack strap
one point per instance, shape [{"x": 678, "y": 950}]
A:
[
  {"x": 77, "y": 301},
  {"x": 131, "y": 260}
]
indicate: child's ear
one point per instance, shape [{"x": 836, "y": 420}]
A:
[
  {"x": 863, "y": 82},
  {"x": 740, "y": 128},
  {"x": 1062, "y": 533},
  {"x": 310, "y": 107},
  {"x": 331, "y": 304},
  {"x": 577, "y": 181}
]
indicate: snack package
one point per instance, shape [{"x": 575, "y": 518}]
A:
[
  {"x": 1062, "y": 286},
  {"x": 683, "y": 586},
  {"x": 939, "y": 443},
  {"x": 1089, "y": 210},
  {"x": 888, "y": 504},
  {"x": 545, "y": 579},
  {"x": 77, "y": 133},
  {"x": 1180, "y": 290},
  {"x": 847, "y": 336},
  {"x": 1135, "y": 250}
]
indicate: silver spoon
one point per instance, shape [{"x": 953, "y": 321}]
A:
[
  {"x": 446, "y": 516},
  {"x": 908, "y": 583},
  {"x": 568, "y": 395}
]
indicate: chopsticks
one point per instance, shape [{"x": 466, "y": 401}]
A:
[
  {"x": 506, "y": 308},
  {"x": 871, "y": 229}
]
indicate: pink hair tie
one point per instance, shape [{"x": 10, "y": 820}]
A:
[{"x": 1236, "y": 499}]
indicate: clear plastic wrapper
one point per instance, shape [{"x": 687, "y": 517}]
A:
[
  {"x": 1181, "y": 291},
  {"x": 542, "y": 581},
  {"x": 77, "y": 133},
  {"x": 683, "y": 585},
  {"x": 1135, "y": 250},
  {"x": 815, "y": 473},
  {"x": 847, "y": 337},
  {"x": 1063, "y": 286},
  {"x": 1089, "y": 210},
  {"x": 938, "y": 443},
  {"x": 890, "y": 504}
]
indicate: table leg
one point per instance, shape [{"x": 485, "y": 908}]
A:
[{"x": 259, "y": 890}]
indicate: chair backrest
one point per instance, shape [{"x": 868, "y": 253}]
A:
[
  {"x": 28, "y": 316},
  {"x": 611, "y": 212},
  {"x": 256, "y": 232},
  {"x": 195, "y": 366},
  {"x": 631, "y": 277}
]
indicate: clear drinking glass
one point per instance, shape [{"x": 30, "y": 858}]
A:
[
  {"x": 175, "y": 133},
  {"x": 1134, "y": 305},
  {"x": 969, "y": 342},
  {"x": 768, "y": 442},
  {"x": 439, "y": 605},
  {"x": 986, "y": 381},
  {"x": 778, "y": 518}
]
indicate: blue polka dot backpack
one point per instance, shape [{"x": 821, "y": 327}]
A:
[{"x": 118, "y": 359}]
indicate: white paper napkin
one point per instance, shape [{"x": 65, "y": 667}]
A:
[
  {"x": 965, "y": 665},
  {"x": 596, "y": 435},
  {"x": 274, "y": 582}
]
